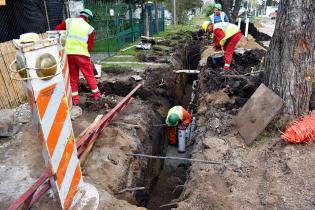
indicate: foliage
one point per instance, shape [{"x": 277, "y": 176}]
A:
[
  {"x": 209, "y": 10},
  {"x": 183, "y": 7}
]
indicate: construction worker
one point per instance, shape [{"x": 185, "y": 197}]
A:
[
  {"x": 176, "y": 116},
  {"x": 218, "y": 15},
  {"x": 226, "y": 37},
  {"x": 79, "y": 42}
]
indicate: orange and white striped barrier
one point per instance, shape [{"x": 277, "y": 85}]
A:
[
  {"x": 48, "y": 99},
  {"x": 64, "y": 62}
]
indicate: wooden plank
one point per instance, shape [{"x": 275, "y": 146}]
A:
[
  {"x": 3, "y": 93},
  {"x": 13, "y": 89},
  {"x": 9, "y": 56},
  {"x": 10, "y": 92},
  {"x": 257, "y": 113}
]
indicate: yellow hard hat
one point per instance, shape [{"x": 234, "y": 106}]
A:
[{"x": 205, "y": 25}]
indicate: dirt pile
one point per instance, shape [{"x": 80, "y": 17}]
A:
[
  {"x": 109, "y": 169},
  {"x": 259, "y": 36},
  {"x": 271, "y": 174},
  {"x": 239, "y": 87}
]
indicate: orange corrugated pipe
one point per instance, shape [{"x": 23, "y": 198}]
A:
[{"x": 301, "y": 130}]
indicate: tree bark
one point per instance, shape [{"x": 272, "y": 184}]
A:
[
  {"x": 289, "y": 63},
  {"x": 235, "y": 11},
  {"x": 226, "y": 6}
]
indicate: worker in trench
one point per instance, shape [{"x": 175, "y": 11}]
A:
[
  {"x": 79, "y": 42},
  {"x": 177, "y": 117},
  {"x": 226, "y": 37}
]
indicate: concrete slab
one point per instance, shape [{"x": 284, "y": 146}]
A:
[
  {"x": 257, "y": 113},
  {"x": 8, "y": 124}
]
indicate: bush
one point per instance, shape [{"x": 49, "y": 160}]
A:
[{"x": 209, "y": 10}]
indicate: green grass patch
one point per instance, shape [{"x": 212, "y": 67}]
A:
[
  {"x": 130, "y": 51},
  {"x": 108, "y": 45},
  {"x": 120, "y": 59},
  {"x": 162, "y": 47},
  {"x": 107, "y": 66}
]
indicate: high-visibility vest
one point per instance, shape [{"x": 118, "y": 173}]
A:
[
  {"x": 78, "y": 31},
  {"x": 229, "y": 30},
  {"x": 175, "y": 110},
  {"x": 222, "y": 15}
]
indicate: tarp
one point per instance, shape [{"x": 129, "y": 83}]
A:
[{"x": 21, "y": 16}]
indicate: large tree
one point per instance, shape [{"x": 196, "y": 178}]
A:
[
  {"x": 289, "y": 63},
  {"x": 231, "y": 8},
  {"x": 182, "y": 8}
]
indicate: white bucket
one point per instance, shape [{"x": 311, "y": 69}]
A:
[{"x": 181, "y": 140}]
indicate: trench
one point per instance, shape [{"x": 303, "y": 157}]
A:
[
  {"x": 163, "y": 179},
  {"x": 168, "y": 186}
]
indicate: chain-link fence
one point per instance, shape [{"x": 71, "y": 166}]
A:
[{"x": 117, "y": 24}]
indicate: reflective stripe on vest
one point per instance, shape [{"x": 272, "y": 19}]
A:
[
  {"x": 222, "y": 14},
  {"x": 229, "y": 30},
  {"x": 175, "y": 110},
  {"x": 78, "y": 32}
]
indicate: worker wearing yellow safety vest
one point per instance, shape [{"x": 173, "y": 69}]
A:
[
  {"x": 176, "y": 116},
  {"x": 218, "y": 15},
  {"x": 80, "y": 37},
  {"x": 226, "y": 37}
]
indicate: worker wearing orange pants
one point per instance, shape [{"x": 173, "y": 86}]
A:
[
  {"x": 176, "y": 116},
  {"x": 80, "y": 38},
  {"x": 226, "y": 36},
  {"x": 84, "y": 64}
]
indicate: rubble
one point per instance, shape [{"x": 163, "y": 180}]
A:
[{"x": 8, "y": 123}]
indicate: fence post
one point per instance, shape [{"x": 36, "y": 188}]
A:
[{"x": 131, "y": 19}]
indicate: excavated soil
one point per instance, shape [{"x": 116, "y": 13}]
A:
[
  {"x": 108, "y": 167},
  {"x": 270, "y": 174},
  {"x": 259, "y": 36}
]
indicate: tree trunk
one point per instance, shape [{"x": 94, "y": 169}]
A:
[
  {"x": 156, "y": 18},
  {"x": 226, "y": 6},
  {"x": 289, "y": 63},
  {"x": 146, "y": 23},
  {"x": 236, "y": 10}
]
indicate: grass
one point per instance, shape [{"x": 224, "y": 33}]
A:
[
  {"x": 162, "y": 47},
  {"x": 109, "y": 45},
  {"x": 120, "y": 59},
  {"x": 106, "y": 66},
  {"x": 131, "y": 51}
]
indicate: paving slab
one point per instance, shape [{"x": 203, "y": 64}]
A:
[{"x": 257, "y": 113}]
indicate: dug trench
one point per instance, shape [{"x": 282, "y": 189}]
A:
[{"x": 149, "y": 183}]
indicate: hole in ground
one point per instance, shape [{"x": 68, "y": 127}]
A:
[{"x": 176, "y": 90}]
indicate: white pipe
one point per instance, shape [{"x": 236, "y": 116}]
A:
[
  {"x": 239, "y": 23},
  {"x": 246, "y": 30}
]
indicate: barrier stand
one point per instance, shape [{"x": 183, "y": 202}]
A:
[
  {"x": 48, "y": 100},
  {"x": 40, "y": 187},
  {"x": 60, "y": 36}
]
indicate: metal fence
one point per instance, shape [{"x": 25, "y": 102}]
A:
[{"x": 117, "y": 24}]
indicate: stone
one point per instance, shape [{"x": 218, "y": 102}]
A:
[
  {"x": 8, "y": 124},
  {"x": 76, "y": 112}
]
